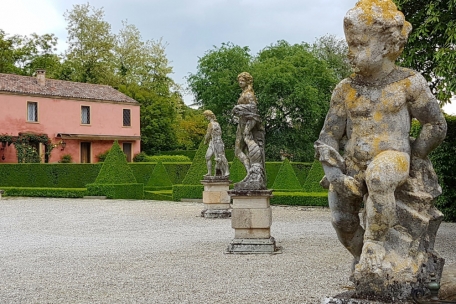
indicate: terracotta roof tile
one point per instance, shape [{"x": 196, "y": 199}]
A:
[{"x": 59, "y": 88}]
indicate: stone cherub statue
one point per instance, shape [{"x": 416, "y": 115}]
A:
[
  {"x": 216, "y": 147},
  {"x": 249, "y": 146},
  {"x": 370, "y": 114}
]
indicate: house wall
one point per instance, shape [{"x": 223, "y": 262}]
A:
[{"x": 64, "y": 116}]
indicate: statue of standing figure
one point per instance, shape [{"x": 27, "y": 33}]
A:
[
  {"x": 381, "y": 166},
  {"x": 250, "y": 137},
  {"x": 216, "y": 147}
]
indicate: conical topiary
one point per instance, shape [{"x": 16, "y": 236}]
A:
[
  {"x": 286, "y": 178},
  {"x": 237, "y": 171},
  {"x": 159, "y": 178},
  {"x": 312, "y": 183},
  {"x": 198, "y": 168},
  {"x": 115, "y": 169}
]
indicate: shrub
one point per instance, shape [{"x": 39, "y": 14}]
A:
[
  {"x": 301, "y": 170},
  {"x": 102, "y": 156},
  {"x": 163, "y": 195},
  {"x": 312, "y": 183},
  {"x": 159, "y": 178},
  {"x": 115, "y": 169},
  {"x": 286, "y": 178},
  {"x": 46, "y": 192},
  {"x": 177, "y": 171},
  {"x": 272, "y": 168},
  {"x": 167, "y": 158},
  {"x": 198, "y": 168},
  {"x": 66, "y": 159},
  {"x": 300, "y": 198},
  {"x": 142, "y": 171},
  {"x": 187, "y": 191},
  {"x": 140, "y": 157},
  {"x": 117, "y": 191}
]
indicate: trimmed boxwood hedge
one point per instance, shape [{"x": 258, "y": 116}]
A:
[
  {"x": 187, "y": 191},
  {"x": 198, "y": 168},
  {"x": 164, "y": 195},
  {"x": 272, "y": 168},
  {"x": 159, "y": 179},
  {"x": 117, "y": 191},
  {"x": 229, "y": 153},
  {"x": 312, "y": 183},
  {"x": 300, "y": 198},
  {"x": 177, "y": 171},
  {"x": 48, "y": 175},
  {"x": 301, "y": 170},
  {"x": 286, "y": 178},
  {"x": 142, "y": 171},
  {"x": 45, "y": 192}
]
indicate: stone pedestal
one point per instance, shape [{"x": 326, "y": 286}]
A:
[
  {"x": 251, "y": 218},
  {"x": 215, "y": 197}
]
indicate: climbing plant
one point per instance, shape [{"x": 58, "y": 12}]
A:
[{"x": 26, "y": 150}]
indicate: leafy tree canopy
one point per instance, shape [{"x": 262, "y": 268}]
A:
[{"x": 431, "y": 47}]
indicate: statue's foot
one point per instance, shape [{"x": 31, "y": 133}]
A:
[{"x": 372, "y": 258}]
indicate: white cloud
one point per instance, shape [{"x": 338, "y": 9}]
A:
[{"x": 25, "y": 17}]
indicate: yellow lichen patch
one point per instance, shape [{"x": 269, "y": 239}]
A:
[
  {"x": 375, "y": 10},
  {"x": 401, "y": 163},
  {"x": 378, "y": 116}
]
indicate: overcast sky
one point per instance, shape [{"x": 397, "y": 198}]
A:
[{"x": 190, "y": 27}]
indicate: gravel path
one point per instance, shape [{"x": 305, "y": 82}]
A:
[{"x": 121, "y": 251}]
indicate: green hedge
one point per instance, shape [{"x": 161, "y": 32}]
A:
[
  {"x": 237, "y": 171},
  {"x": 272, "y": 168},
  {"x": 117, "y": 191},
  {"x": 187, "y": 191},
  {"x": 177, "y": 171},
  {"x": 301, "y": 170},
  {"x": 286, "y": 178},
  {"x": 198, "y": 168},
  {"x": 229, "y": 153},
  {"x": 142, "y": 171},
  {"x": 46, "y": 192},
  {"x": 115, "y": 169},
  {"x": 159, "y": 178},
  {"x": 168, "y": 158},
  {"x": 165, "y": 195},
  {"x": 300, "y": 198},
  {"x": 48, "y": 175},
  {"x": 312, "y": 183}
]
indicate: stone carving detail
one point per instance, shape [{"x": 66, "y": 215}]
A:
[
  {"x": 369, "y": 120},
  {"x": 249, "y": 146},
  {"x": 216, "y": 148}
]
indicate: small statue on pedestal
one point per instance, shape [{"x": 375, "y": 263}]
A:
[
  {"x": 381, "y": 167},
  {"x": 216, "y": 147}
]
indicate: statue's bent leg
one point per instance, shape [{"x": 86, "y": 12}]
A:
[
  {"x": 384, "y": 174},
  {"x": 345, "y": 220},
  {"x": 238, "y": 151}
]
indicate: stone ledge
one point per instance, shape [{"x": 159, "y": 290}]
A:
[
  {"x": 216, "y": 213},
  {"x": 253, "y": 246},
  {"x": 250, "y": 193}
]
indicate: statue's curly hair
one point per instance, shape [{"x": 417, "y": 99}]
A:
[
  {"x": 209, "y": 113},
  {"x": 247, "y": 77}
]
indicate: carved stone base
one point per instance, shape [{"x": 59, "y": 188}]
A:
[
  {"x": 251, "y": 219},
  {"x": 216, "y": 213},
  {"x": 215, "y": 197},
  {"x": 253, "y": 246},
  {"x": 347, "y": 298}
]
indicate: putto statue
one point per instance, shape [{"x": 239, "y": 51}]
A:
[
  {"x": 249, "y": 146},
  {"x": 381, "y": 166},
  {"x": 216, "y": 147}
]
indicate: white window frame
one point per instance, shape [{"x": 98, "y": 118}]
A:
[
  {"x": 32, "y": 117},
  {"x": 86, "y": 122},
  {"x": 123, "y": 118}
]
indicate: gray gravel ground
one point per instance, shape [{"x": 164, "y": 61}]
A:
[{"x": 121, "y": 251}]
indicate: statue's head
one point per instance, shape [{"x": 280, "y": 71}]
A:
[
  {"x": 374, "y": 29},
  {"x": 209, "y": 114},
  {"x": 245, "y": 78}
]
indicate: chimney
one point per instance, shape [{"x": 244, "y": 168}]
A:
[{"x": 41, "y": 77}]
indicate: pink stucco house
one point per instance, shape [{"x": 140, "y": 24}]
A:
[{"x": 81, "y": 119}]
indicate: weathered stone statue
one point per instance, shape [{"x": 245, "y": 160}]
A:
[
  {"x": 249, "y": 146},
  {"x": 216, "y": 147},
  {"x": 381, "y": 166}
]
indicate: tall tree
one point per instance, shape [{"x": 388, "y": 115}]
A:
[
  {"x": 214, "y": 85},
  {"x": 334, "y": 51},
  {"x": 90, "y": 55},
  {"x": 292, "y": 85},
  {"x": 431, "y": 47},
  {"x": 293, "y": 88}
]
